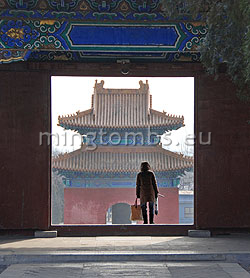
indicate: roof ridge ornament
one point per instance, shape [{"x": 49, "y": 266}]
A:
[{"x": 98, "y": 85}]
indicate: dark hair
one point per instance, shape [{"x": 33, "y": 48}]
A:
[{"x": 145, "y": 166}]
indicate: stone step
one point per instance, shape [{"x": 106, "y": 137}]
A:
[
  {"x": 72, "y": 257},
  {"x": 127, "y": 269}
]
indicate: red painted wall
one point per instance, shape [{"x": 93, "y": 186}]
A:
[{"x": 89, "y": 205}]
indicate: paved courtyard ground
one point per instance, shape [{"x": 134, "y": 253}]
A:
[
  {"x": 127, "y": 269},
  {"x": 184, "y": 257},
  {"x": 128, "y": 244}
]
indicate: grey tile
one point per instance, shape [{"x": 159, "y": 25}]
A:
[
  {"x": 197, "y": 271},
  {"x": 127, "y": 269},
  {"x": 43, "y": 271},
  {"x": 3, "y": 267}
]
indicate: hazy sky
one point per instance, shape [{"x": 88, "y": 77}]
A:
[{"x": 173, "y": 95}]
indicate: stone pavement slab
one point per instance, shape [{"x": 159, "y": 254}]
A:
[
  {"x": 219, "y": 244},
  {"x": 3, "y": 267},
  {"x": 219, "y": 249},
  {"x": 127, "y": 269}
]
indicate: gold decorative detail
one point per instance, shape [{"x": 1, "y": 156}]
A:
[
  {"x": 15, "y": 33},
  {"x": 61, "y": 58},
  {"x": 83, "y": 6},
  {"x": 2, "y": 4},
  {"x": 43, "y": 5},
  {"x": 12, "y": 59},
  {"x": 185, "y": 59},
  {"x": 124, "y": 6},
  {"x": 47, "y": 21},
  {"x": 198, "y": 23}
]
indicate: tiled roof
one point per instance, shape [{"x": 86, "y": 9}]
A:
[
  {"x": 123, "y": 108},
  {"x": 121, "y": 159}
]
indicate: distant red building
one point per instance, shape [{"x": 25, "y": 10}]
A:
[
  {"x": 90, "y": 205},
  {"x": 120, "y": 131}
]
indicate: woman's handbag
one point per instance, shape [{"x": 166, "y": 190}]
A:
[{"x": 136, "y": 213}]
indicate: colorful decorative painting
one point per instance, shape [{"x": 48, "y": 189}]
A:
[{"x": 78, "y": 30}]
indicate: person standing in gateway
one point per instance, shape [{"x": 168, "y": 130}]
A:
[{"x": 147, "y": 191}]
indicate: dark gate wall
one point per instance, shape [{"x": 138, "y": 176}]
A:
[
  {"x": 222, "y": 168},
  {"x": 24, "y": 165}
]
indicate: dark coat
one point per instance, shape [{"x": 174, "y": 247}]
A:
[{"x": 146, "y": 187}]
